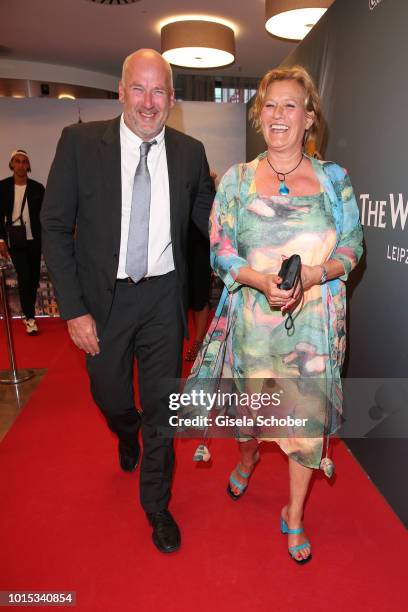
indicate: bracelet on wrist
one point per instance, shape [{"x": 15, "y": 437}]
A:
[{"x": 323, "y": 277}]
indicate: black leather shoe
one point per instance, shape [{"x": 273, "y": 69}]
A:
[
  {"x": 129, "y": 456},
  {"x": 166, "y": 534}
]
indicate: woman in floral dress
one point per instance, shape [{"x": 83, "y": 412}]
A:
[{"x": 283, "y": 202}]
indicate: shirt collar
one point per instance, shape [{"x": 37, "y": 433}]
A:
[{"x": 132, "y": 138}]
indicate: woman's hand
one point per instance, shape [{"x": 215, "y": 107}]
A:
[{"x": 279, "y": 298}]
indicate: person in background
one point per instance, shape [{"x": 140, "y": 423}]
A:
[
  {"x": 20, "y": 204},
  {"x": 199, "y": 287},
  {"x": 199, "y": 283},
  {"x": 130, "y": 187}
]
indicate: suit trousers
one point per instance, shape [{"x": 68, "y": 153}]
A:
[
  {"x": 145, "y": 323},
  {"x": 27, "y": 262}
]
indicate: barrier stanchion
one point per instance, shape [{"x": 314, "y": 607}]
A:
[{"x": 12, "y": 376}]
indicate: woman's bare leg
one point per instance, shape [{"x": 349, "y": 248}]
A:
[
  {"x": 248, "y": 457},
  {"x": 299, "y": 481}
]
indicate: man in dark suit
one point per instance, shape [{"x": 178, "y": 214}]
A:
[
  {"x": 118, "y": 204},
  {"x": 20, "y": 204}
]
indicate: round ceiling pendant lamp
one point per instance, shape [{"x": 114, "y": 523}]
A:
[
  {"x": 196, "y": 43},
  {"x": 114, "y": 2},
  {"x": 293, "y": 19}
]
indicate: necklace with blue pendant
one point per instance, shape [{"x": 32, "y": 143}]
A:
[{"x": 283, "y": 188}]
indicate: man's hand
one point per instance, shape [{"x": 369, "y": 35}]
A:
[
  {"x": 3, "y": 250},
  {"x": 83, "y": 333}
]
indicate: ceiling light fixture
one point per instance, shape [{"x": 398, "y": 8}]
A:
[
  {"x": 293, "y": 19},
  {"x": 66, "y": 96},
  {"x": 114, "y": 2},
  {"x": 197, "y": 43}
]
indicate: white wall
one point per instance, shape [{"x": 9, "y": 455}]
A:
[{"x": 35, "y": 124}]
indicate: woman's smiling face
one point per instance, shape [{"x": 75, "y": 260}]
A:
[{"x": 284, "y": 118}]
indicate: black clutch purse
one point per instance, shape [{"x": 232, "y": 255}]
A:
[{"x": 290, "y": 272}]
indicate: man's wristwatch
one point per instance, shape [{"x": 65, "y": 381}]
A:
[{"x": 323, "y": 277}]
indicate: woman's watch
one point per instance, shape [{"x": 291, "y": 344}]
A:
[{"x": 323, "y": 277}]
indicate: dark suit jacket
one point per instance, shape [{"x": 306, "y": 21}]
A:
[
  {"x": 84, "y": 194},
  {"x": 35, "y": 194}
]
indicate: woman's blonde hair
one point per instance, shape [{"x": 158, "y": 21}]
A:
[{"x": 294, "y": 73}]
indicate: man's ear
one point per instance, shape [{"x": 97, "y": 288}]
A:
[
  {"x": 121, "y": 91},
  {"x": 172, "y": 98}
]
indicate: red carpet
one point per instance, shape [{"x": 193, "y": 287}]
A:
[{"x": 70, "y": 519}]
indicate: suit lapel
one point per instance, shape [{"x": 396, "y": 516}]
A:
[
  {"x": 111, "y": 176},
  {"x": 29, "y": 191},
  {"x": 174, "y": 167},
  {"x": 10, "y": 199},
  {"x": 29, "y": 196}
]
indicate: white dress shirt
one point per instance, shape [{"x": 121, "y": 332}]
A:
[
  {"x": 160, "y": 254},
  {"x": 19, "y": 191}
]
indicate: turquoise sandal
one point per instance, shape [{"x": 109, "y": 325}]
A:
[
  {"x": 242, "y": 487},
  {"x": 292, "y": 550}
]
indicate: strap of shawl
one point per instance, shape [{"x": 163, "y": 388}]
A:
[{"x": 332, "y": 177}]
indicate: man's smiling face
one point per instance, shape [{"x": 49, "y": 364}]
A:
[{"x": 147, "y": 94}]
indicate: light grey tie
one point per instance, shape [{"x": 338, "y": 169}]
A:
[{"x": 138, "y": 237}]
